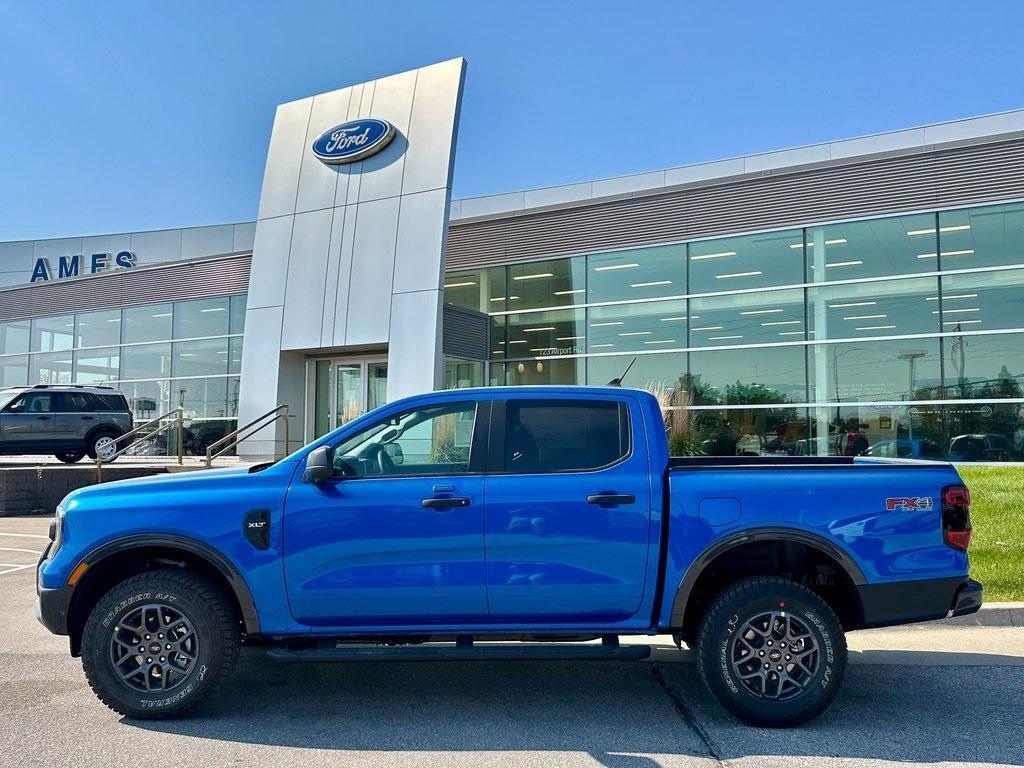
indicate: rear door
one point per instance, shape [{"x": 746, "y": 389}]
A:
[
  {"x": 569, "y": 510},
  {"x": 74, "y": 417}
]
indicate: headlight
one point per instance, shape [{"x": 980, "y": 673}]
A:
[{"x": 57, "y": 530}]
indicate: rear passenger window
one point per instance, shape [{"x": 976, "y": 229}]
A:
[
  {"x": 110, "y": 402},
  {"x": 76, "y": 402},
  {"x": 555, "y": 436}
]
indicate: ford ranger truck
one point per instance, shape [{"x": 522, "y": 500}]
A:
[{"x": 505, "y": 523}]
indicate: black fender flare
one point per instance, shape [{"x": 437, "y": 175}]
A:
[
  {"x": 239, "y": 587},
  {"x": 723, "y": 545}
]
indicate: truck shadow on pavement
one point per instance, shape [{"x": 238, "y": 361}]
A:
[{"x": 624, "y": 715}]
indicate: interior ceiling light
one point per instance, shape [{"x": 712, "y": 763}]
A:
[
  {"x": 722, "y": 338},
  {"x": 964, "y": 252},
  {"x": 762, "y": 312},
  {"x": 864, "y": 317},
  {"x": 459, "y": 285},
  {"x": 853, "y": 304},
  {"x": 534, "y": 276},
  {"x": 595, "y": 346},
  {"x": 610, "y": 267},
  {"x": 853, "y": 263},
  {"x": 670, "y": 319},
  {"x": 713, "y": 255},
  {"x": 931, "y": 230},
  {"x": 568, "y": 338},
  {"x": 739, "y": 274},
  {"x": 875, "y": 327},
  {"x": 518, "y": 341},
  {"x": 502, "y": 298},
  {"x": 791, "y": 333},
  {"x": 663, "y": 341},
  {"x": 708, "y": 328},
  {"x": 650, "y": 284},
  {"x": 837, "y": 241},
  {"x": 636, "y": 333},
  {"x": 570, "y": 293},
  {"x": 956, "y": 311},
  {"x": 538, "y": 330},
  {"x": 960, "y": 322},
  {"x": 954, "y": 296},
  {"x": 603, "y": 325},
  {"x": 783, "y": 322}
]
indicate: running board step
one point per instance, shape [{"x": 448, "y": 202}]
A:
[{"x": 463, "y": 652}]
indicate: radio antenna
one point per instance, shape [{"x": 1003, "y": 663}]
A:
[{"x": 618, "y": 382}]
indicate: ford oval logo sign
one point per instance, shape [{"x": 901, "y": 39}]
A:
[{"x": 352, "y": 141}]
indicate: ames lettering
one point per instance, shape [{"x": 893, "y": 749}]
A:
[{"x": 76, "y": 265}]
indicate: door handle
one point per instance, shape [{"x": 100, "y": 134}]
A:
[
  {"x": 611, "y": 498},
  {"x": 88, "y": 418},
  {"x": 43, "y": 418},
  {"x": 445, "y": 503}
]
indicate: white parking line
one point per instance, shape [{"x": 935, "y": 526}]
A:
[
  {"x": 26, "y": 535},
  {"x": 16, "y": 549},
  {"x": 11, "y": 568}
]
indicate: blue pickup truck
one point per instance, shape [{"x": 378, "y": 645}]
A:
[{"x": 505, "y": 523}]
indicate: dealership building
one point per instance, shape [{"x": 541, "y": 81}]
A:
[{"x": 864, "y": 294}]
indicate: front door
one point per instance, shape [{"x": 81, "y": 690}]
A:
[
  {"x": 398, "y": 537},
  {"x": 27, "y": 422},
  {"x": 568, "y": 525}
]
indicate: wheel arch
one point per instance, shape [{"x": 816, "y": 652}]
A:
[
  {"x": 119, "y": 559},
  {"x": 681, "y": 617}
]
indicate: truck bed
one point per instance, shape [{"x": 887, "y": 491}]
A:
[{"x": 796, "y": 462}]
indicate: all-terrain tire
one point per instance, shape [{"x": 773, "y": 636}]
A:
[
  {"x": 188, "y": 600},
  {"x": 726, "y": 655}
]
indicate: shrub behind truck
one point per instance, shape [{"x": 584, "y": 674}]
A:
[{"x": 513, "y": 523}]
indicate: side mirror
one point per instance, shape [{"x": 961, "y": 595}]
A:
[{"x": 319, "y": 466}]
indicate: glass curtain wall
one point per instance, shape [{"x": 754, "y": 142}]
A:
[
  {"x": 161, "y": 356},
  {"x": 896, "y": 336}
]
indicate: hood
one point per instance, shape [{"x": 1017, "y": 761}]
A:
[{"x": 162, "y": 483}]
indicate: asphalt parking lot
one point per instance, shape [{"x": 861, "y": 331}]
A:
[{"x": 928, "y": 695}]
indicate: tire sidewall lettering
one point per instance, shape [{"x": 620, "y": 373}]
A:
[{"x": 138, "y": 597}]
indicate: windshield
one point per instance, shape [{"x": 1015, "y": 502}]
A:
[{"x": 7, "y": 396}]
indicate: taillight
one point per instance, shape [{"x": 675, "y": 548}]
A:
[{"x": 956, "y": 516}]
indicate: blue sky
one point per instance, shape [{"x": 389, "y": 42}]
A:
[{"x": 122, "y": 116}]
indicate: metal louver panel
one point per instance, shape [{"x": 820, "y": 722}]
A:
[
  {"x": 129, "y": 287},
  {"x": 964, "y": 175},
  {"x": 466, "y": 333}
]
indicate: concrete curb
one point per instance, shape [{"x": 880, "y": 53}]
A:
[{"x": 991, "y": 615}]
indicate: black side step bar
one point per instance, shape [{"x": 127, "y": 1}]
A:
[{"x": 463, "y": 650}]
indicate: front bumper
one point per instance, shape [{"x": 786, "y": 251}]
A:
[
  {"x": 52, "y": 606},
  {"x": 906, "y": 602}
]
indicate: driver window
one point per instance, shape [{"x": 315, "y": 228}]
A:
[{"x": 424, "y": 441}]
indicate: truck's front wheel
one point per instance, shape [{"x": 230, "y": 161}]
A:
[
  {"x": 771, "y": 651},
  {"x": 158, "y": 643}
]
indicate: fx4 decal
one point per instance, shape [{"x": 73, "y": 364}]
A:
[{"x": 909, "y": 502}]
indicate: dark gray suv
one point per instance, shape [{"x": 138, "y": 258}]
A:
[{"x": 67, "y": 420}]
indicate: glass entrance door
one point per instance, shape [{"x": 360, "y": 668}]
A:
[{"x": 344, "y": 389}]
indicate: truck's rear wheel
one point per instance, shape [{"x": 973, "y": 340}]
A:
[
  {"x": 771, "y": 651},
  {"x": 158, "y": 643}
]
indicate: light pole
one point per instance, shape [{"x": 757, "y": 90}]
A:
[{"x": 911, "y": 356}]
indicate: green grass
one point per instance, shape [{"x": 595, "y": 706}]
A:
[{"x": 997, "y": 519}]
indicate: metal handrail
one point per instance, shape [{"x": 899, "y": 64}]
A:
[
  {"x": 177, "y": 413},
  {"x": 268, "y": 418}
]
